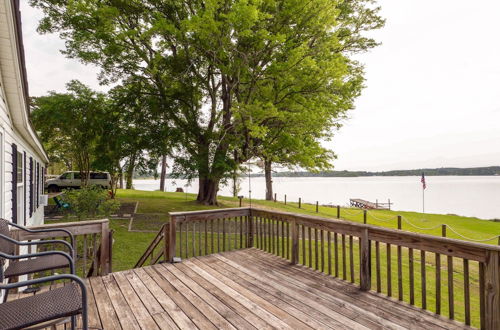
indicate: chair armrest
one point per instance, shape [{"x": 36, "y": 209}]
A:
[
  {"x": 70, "y": 248},
  {"x": 39, "y": 254},
  {"x": 44, "y": 230}
]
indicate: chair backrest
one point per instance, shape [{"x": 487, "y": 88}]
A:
[{"x": 6, "y": 246}]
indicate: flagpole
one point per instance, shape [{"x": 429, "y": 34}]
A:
[{"x": 423, "y": 200}]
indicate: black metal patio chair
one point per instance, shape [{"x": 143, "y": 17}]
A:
[
  {"x": 31, "y": 265},
  {"x": 46, "y": 308}
]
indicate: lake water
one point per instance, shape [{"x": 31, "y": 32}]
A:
[{"x": 476, "y": 196}]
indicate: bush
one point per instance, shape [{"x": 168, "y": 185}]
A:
[{"x": 90, "y": 202}]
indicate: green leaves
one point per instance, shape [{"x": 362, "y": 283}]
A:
[{"x": 234, "y": 79}]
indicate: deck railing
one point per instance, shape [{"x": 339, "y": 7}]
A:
[
  {"x": 92, "y": 244},
  {"x": 454, "y": 278}
]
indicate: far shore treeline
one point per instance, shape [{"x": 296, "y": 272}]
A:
[
  {"x": 490, "y": 170},
  {"x": 443, "y": 171}
]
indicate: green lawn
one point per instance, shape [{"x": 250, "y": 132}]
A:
[{"x": 474, "y": 228}]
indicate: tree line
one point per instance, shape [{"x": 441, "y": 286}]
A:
[
  {"x": 210, "y": 84},
  {"x": 474, "y": 171}
]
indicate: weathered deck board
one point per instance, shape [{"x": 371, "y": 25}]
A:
[{"x": 244, "y": 289}]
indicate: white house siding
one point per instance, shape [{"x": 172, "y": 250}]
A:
[{"x": 14, "y": 125}]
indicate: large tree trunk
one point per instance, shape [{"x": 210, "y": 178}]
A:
[
  {"x": 163, "y": 172},
  {"x": 269, "y": 179},
  {"x": 130, "y": 172},
  {"x": 207, "y": 191}
]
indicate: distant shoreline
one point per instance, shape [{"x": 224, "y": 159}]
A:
[{"x": 444, "y": 171}]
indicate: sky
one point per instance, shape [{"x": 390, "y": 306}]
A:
[{"x": 432, "y": 96}]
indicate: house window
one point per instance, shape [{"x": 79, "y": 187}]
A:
[
  {"x": 20, "y": 165},
  {"x": 20, "y": 188}
]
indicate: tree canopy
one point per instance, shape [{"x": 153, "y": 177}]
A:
[{"x": 234, "y": 79}]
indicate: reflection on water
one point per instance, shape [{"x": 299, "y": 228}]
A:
[{"x": 477, "y": 196}]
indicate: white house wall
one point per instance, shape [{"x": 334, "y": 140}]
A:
[
  {"x": 8, "y": 137},
  {"x": 13, "y": 118}
]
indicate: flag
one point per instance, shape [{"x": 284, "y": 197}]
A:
[{"x": 423, "y": 181}]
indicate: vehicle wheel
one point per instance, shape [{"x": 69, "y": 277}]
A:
[{"x": 53, "y": 189}]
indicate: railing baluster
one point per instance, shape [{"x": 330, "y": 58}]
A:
[
  {"x": 303, "y": 245},
  {"x": 193, "y": 237},
  {"x": 329, "y": 243},
  {"x": 84, "y": 255},
  {"x": 466, "y": 292},
  {"x": 351, "y": 257},
  {"x": 438, "y": 283},
  {"x": 377, "y": 266},
  {"x": 277, "y": 237},
  {"x": 241, "y": 232},
  {"x": 316, "y": 251},
  {"x": 321, "y": 233},
  {"x": 212, "y": 246},
  {"x": 344, "y": 262},
  {"x": 389, "y": 270},
  {"x": 269, "y": 235},
  {"x": 288, "y": 240},
  {"x": 336, "y": 253},
  {"x": 411, "y": 273},
  {"x": 257, "y": 232},
  {"x": 199, "y": 239},
  {"x": 309, "y": 229},
  {"x": 262, "y": 242},
  {"x": 274, "y": 235},
  {"x": 451, "y": 303},
  {"x": 224, "y": 234},
  {"x": 482, "y": 298},
  {"x": 283, "y": 254},
  {"x": 400, "y": 273},
  {"x": 206, "y": 237},
  {"x": 218, "y": 235},
  {"x": 180, "y": 238},
  {"x": 423, "y": 279},
  {"x": 94, "y": 253},
  {"x": 235, "y": 233},
  {"x": 187, "y": 240}
]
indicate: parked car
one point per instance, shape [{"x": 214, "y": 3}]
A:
[{"x": 71, "y": 179}]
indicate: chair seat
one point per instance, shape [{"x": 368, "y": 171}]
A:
[
  {"x": 35, "y": 265},
  {"x": 50, "y": 305}
]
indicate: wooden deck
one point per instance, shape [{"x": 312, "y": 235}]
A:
[{"x": 244, "y": 289}]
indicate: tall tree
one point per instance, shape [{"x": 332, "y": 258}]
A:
[
  {"x": 70, "y": 124},
  {"x": 210, "y": 62}
]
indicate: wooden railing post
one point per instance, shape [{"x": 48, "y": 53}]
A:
[
  {"x": 491, "y": 291},
  {"x": 300, "y": 202},
  {"x": 365, "y": 276},
  {"x": 104, "y": 257},
  {"x": 364, "y": 217},
  {"x": 171, "y": 240},
  {"x": 166, "y": 241},
  {"x": 295, "y": 242},
  {"x": 110, "y": 249},
  {"x": 285, "y": 199},
  {"x": 338, "y": 211}
]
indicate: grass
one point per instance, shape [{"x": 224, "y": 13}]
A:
[{"x": 474, "y": 228}]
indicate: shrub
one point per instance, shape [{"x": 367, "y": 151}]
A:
[{"x": 90, "y": 202}]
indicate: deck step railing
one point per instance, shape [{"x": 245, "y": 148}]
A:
[{"x": 453, "y": 278}]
